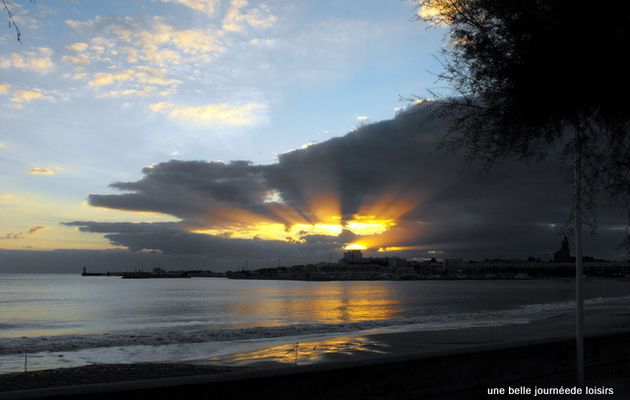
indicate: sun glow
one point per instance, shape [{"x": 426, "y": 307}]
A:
[
  {"x": 387, "y": 249},
  {"x": 378, "y": 222},
  {"x": 361, "y": 225},
  {"x": 437, "y": 12},
  {"x": 274, "y": 231},
  {"x": 355, "y": 246},
  {"x": 368, "y": 225}
]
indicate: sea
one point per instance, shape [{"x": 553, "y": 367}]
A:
[{"x": 66, "y": 320}]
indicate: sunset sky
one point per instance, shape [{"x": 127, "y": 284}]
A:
[{"x": 211, "y": 120}]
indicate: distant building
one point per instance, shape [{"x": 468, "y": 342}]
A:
[
  {"x": 351, "y": 256},
  {"x": 564, "y": 254},
  {"x": 453, "y": 262},
  {"x": 395, "y": 262}
]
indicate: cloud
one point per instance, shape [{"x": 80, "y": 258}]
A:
[
  {"x": 34, "y": 230},
  {"x": 237, "y": 18},
  {"x": 153, "y": 41},
  {"x": 20, "y": 235},
  {"x": 362, "y": 120},
  {"x": 203, "y": 6},
  {"x": 78, "y": 46},
  {"x": 41, "y": 171},
  {"x": 142, "y": 76},
  {"x": 79, "y": 59},
  {"x": 198, "y": 43},
  {"x": 38, "y": 61},
  {"x": 115, "y": 51},
  {"x": 382, "y": 186},
  {"x": 4, "y": 88},
  {"x": 204, "y": 187},
  {"x": 140, "y": 91},
  {"x": 210, "y": 114},
  {"x": 141, "y": 57},
  {"x": 22, "y": 97}
]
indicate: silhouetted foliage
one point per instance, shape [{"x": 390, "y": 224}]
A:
[
  {"x": 8, "y": 7},
  {"x": 534, "y": 74}
]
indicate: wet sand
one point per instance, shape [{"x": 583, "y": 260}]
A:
[{"x": 559, "y": 326}]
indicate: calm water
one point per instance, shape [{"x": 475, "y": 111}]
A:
[{"x": 78, "y": 320}]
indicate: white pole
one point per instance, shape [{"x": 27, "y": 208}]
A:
[{"x": 579, "y": 281}]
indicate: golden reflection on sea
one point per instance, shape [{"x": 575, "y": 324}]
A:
[{"x": 325, "y": 303}]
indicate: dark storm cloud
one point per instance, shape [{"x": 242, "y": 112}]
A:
[
  {"x": 386, "y": 157},
  {"x": 189, "y": 189},
  {"x": 395, "y": 156},
  {"x": 516, "y": 210}
]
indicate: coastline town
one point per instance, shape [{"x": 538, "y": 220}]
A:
[{"x": 354, "y": 266}]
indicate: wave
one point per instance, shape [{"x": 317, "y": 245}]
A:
[{"x": 202, "y": 332}]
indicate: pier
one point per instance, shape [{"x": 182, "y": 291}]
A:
[{"x": 157, "y": 273}]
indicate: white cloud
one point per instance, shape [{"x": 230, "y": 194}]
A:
[
  {"x": 138, "y": 62},
  {"x": 203, "y": 6},
  {"x": 142, "y": 75},
  {"x": 216, "y": 113},
  {"x": 123, "y": 56},
  {"x": 79, "y": 59},
  {"x": 21, "y": 97},
  {"x": 203, "y": 44},
  {"x": 38, "y": 61},
  {"x": 258, "y": 42},
  {"x": 236, "y": 18},
  {"x": 41, "y": 171},
  {"x": 87, "y": 24},
  {"x": 78, "y": 46},
  {"x": 4, "y": 88}
]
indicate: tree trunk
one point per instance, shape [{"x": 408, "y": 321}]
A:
[{"x": 579, "y": 281}]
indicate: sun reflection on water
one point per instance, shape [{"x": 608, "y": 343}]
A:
[{"x": 324, "y": 303}]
